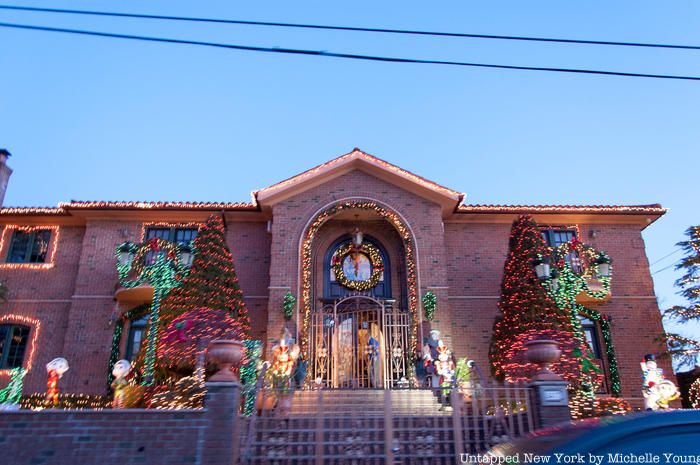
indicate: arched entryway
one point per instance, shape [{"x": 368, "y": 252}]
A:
[{"x": 358, "y": 328}]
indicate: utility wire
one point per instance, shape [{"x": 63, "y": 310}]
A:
[
  {"x": 350, "y": 56},
  {"x": 347, "y": 28},
  {"x": 666, "y": 256},
  {"x": 662, "y": 269}
]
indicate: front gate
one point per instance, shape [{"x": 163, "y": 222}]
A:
[{"x": 359, "y": 342}]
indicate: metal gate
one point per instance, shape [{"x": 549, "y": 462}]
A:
[{"x": 359, "y": 342}]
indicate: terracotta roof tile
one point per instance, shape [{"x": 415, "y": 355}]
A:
[{"x": 652, "y": 209}]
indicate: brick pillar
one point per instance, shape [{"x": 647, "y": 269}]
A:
[
  {"x": 221, "y": 442},
  {"x": 551, "y": 402}
]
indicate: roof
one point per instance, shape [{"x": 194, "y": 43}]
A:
[
  {"x": 651, "y": 209},
  {"x": 450, "y": 200},
  {"x": 359, "y": 160}
]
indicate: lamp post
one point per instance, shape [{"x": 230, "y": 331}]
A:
[{"x": 160, "y": 264}]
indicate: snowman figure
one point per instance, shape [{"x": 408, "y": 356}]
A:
[
  {"x": 55, "y": 370},
  {"x": 120, "y": 370},
  {"x": 657, "y": 391}
]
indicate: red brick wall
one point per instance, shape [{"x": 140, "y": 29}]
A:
[
  {"x": 74, "y": 300},
  {"x": 45, "y": 295},
  {"x": 291, "y": 216},
  {"x": 476, "y": 255},
  {"x": 100, "y": 437}
]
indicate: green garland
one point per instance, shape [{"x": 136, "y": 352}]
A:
[
  {"x": 115, "y": 353},
  {"x": 375, "y": 258},
  {"x": 571, "y": 284},
  {"x": 604, "y": 321},
  {"x": 288, "y": 305},
  {"x": 249, "y": 374},
  {"x": 429, "y": 305}
]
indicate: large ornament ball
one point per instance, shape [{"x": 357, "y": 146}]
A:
[
  {"x": 59, "y": 365},
  {"x": 121, "y": 368}
]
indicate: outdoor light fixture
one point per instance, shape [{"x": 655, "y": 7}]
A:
[
  {"x": 603, "y": 270},
  {"x": 357, "y": 235},
  {"x": 126, "y": 255},
  {"x": 186, "y": 255},
  {"x": 542, "y": 269}
]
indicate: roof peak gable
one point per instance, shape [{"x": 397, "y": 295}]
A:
[{"x": 357, "y": 159}]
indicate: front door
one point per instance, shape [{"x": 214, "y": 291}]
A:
[{"x": 357, "y": 343}]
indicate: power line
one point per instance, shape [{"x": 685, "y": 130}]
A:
[
  {"x": 347, "y": 28},
  {"x": 350, "y": 56},
  {"x": 662, "y": 269},
  {"x": 666, "y": 256}
]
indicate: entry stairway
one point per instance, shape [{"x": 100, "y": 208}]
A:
[{"x": 367, "y": 402}]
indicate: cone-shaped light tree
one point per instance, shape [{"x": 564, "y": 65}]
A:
[
  {"x": 685, "y": 348},
  {"x": 528, "y": 312},
  {"x": 211, "y": 288}
]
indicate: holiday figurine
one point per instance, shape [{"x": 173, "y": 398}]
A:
[
  {"x": 657, "y": 391},
  {"x": 120, "y": 370},
  {"x": 284, "y": 356},
  {"x": 55, "y": 369},
  {"x": 430, "y": 356},
  {"x": 444, "y": 366}
]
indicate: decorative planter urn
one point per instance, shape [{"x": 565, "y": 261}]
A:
[
  {"x": 226, "y": 354},
  {"x": 543, "y": 352}
]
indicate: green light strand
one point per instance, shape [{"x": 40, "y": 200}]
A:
[
  {"x": 115, "y": 353},
  {"x": 12, "y": 393},
  {"x": 249, "y": 374}
]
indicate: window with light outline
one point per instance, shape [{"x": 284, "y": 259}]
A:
[{"x": 29, "y": 246}]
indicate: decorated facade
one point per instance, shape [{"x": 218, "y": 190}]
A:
[{"x": 356, "y": 262}]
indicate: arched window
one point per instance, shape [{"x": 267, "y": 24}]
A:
[
  {"x": 361, "y": 269},
  {"x": 13, "y": 345}
]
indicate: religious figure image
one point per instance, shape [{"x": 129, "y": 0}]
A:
[{"x": 357, "y": 267}]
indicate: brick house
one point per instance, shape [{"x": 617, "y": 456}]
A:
[{"x": 64, "y": 298}]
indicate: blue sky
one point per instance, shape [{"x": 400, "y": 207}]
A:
[{"x": 92, "y": 118}]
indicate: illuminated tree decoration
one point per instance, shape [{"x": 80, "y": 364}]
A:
[
  {"x": 156, "y": 262},
  {"x": 288, "y": 304},
  {"x": 185, "y": 340},
  {"x": 212, "y": 281},
  {"x": 528, "y": 312},
  {"x": 306, "y": 262},
  {"x": 694, "y": 394},
  {"x": 349, "y": 251},
  {"x": 11, "y": 394},
  {"x": 429, "y": 305},
  {"x": 685, "y": 349}
]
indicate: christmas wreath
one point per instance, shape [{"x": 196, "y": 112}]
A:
[{"x": 376, "y": 264}]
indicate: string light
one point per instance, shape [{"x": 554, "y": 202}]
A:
[
  {"x": 306, "y": 263},
  {"x": 163, "y": 272},
  {"x": 249, "y": 374},
  {"x": 12, "y": 211},
  {"x": 35, "y": 326},
  {"x": 37, "y": 401},
  {"x": 654, "y": 209},
  {"x": 354, "y": 155},
  {"x": 51, "y": 253},
  {"x": 91, "y": 205},
  {"x": 133, "y": 314}
]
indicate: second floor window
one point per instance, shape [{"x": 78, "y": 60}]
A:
[
  {"x": 29, "y": 246},
  {"x": 555, "y": 237},
  {"x": 176, "y": 235},
  {"x": 13, "y": 345}
]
